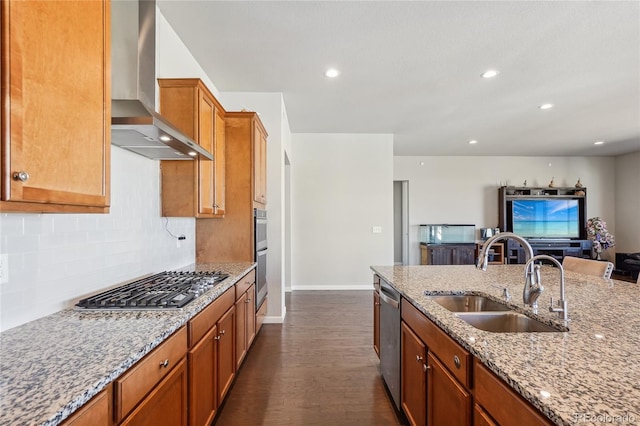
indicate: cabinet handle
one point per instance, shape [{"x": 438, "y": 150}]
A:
[
  {"x": 21, "y": 176},
  {"x": 248, "y": 301},
  {"x": 217, "y": 338},
  {"x": 164, "y": 363},
  {"x": 222, "y": 333},
  {"x": 456, "y": 361},
  {"x": 425, "y": 367},
  {"x": 418, "y": 358}
]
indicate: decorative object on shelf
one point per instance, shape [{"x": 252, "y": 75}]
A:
[
  {"x": 551, "y": 184},
  {"x": 580, "y": 192},
  {"x": 578, "y": 184},
  {"x": 598, "y": 233},
  {"x": 524, "y": 185}
]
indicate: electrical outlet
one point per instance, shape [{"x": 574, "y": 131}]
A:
[
  {"x": 4, "y": 268},
  {"x": 377, "y": 229}
]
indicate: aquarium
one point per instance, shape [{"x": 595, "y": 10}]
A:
[{"x": 447, "y": 234}]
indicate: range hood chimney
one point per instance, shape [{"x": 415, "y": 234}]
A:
[{"x": 135, "y": 125}]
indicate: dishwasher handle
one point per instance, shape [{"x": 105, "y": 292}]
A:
[{"x": 389, "y": 298}]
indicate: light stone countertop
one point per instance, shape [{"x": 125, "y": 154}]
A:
[
  {"x": 590, "y": 374},
  {"x": 52, "y": 366}
]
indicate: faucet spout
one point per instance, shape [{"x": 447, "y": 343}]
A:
[
  {"x": 483, "y": 256},
  {"x": 562, "y": 309}
]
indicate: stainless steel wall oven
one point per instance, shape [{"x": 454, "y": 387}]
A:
[{"x": 260, "y": 240}]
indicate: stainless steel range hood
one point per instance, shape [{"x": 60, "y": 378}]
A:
[{"x": 135, "y": 125}]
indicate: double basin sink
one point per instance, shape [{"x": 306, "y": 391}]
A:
[{"x": 489, "y": 315}]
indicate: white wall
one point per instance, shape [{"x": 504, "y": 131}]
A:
[
  {"x": 342, "y": 186},
  {"x": 465, "y": 189},
  {"x": 174, "y": 60},
  {"x": 270, "y": 106},
  {"x": 54, "y": 259},
  {"x": 628, "y": 203}
]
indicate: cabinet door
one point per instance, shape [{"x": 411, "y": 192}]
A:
[
  {"x": 56, "y": 108},
  {"x": 414, "y": 378},
  {"x": 219, "y": 164},
  {"x": 226, "y": 351},
  {"x": 202, "y": 380},
  {"x": 448, "y": 403},
  {"x": 251, "y": 315},
  {"x": 462, "y": 255},
  {"x": 241, "y": 329},
  {"x": 376, "y": 322},
  {"x": 206, "y": 176},
  {"x": 440, "y": 255},
  {"x": 166, "y": 404},
  {"x": 260, "y": 165}
]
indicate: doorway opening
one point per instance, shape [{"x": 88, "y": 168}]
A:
[{"x": 401, "y": 222}]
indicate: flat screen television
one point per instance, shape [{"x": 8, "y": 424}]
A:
[{"x": 558, "y": 219}]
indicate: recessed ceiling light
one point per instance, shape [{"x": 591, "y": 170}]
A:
[
  {"x": 331, "y": 73},
  {"x": 473, "y": 142},
  {"x": 598, "y": 143},
  {"x": 546, "y": 106},
  {"x": 489, "y": 74}
]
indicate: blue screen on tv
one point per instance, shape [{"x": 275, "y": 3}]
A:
[{"x": 546, "y": 218}]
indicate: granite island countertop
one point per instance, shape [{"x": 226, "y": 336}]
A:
[
  {"x": 580, "y": 376},
  {"x": 52, "y": 366}
]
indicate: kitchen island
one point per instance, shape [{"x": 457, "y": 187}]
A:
[
  {"x": 590, "y": 374},
  {"x": 52, "y": 366}
]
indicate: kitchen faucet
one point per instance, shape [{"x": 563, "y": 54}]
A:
[
  {"x": 532, "y": 286},
  {"x": 562, "y": 309}
]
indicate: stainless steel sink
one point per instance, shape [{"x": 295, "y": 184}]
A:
[
  {"x": 471, "y": 303},
  {"x": 505, "y": 322}
]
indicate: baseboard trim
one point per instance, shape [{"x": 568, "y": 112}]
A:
[
  {"x": 273, "y": 319},
  {"x": 320, "y": 287}
]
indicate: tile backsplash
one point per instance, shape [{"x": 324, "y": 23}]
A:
[{"x": 49, "y": 261}]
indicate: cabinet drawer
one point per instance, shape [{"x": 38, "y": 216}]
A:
[
  {"x": 502, "y": 403},
  {"x": 131, "y": 387},
  {"x": 450, "y": 353},
  {"x": 95, "y": 412},
  {"x": 201, "y": 323},
  {"x": 244, "y": 283}
]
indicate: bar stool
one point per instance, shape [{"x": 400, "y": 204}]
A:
[{"x": 587, "y": 266}]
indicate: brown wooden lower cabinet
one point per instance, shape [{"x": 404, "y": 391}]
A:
[
  {"x": 166, "y": 404},
  {"x": 261, "y": 314},
  {"x": 184, "y": 380},
  {"x": 443, "y": 384},
  {"x": 376, "y": 322}
]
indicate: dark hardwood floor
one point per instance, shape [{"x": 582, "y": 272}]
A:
[{"x": 318, "y": 368}]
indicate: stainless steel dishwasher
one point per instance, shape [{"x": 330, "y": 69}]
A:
[{"x": 390, "y": 339}]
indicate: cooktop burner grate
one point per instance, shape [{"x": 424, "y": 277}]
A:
[{"x": 166, "y": 290}]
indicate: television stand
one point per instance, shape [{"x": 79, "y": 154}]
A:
[{"x": 557, "y": 249}]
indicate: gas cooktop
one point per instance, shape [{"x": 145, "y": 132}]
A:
[{"x": 166, "y": 290}]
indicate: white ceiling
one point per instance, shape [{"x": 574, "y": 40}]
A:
[{"x": 413, "y": 69}]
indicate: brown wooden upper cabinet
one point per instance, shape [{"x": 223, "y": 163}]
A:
[
  {"x": 259, "y": 164},
  {"x": 56, "y": 106},
  {"x": 194, "y": 188}
]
